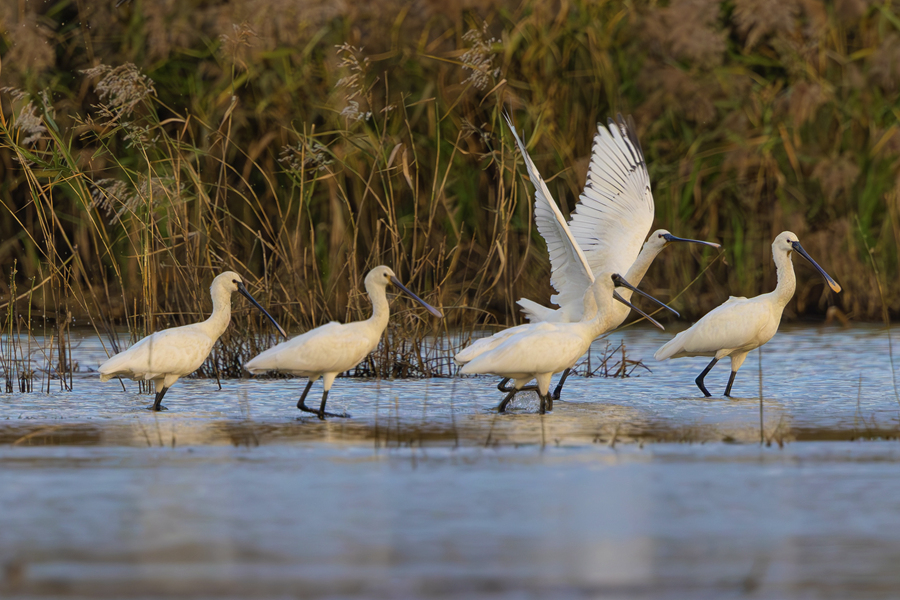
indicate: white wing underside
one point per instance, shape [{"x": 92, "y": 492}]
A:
[
  {"x": 615, "y": 210},
  {"x": 569, "y": 265}
]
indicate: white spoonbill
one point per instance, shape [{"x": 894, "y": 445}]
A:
[
  {"x": 539, "y": 350},
  {"x": 166, "y": 355},
  {"x": 335, "y": 347},
  {"x": 743, "y": 324},
  {"x": 609, "y": 224}
]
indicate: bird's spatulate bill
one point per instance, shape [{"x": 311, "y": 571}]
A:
[
  {"x": 831, "y": 282},
  {"x": 620, "y": 282},
  {"x": 637, "y": 310},
  {"x": 243, "y": 291},
  {"x": 671, "y": 238},
  {"x": 427, "y": 306}
]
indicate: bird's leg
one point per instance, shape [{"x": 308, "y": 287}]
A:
[
  {"x": 301, "y": 404},
  {"x": 699, "y": 380},
  {"x": 544, "y": 400},
  {"x": 512, "y": 394},
  {"x": 156, "y": 403},
  {"x": 322, "y": 414},
  {"x": 559, "y": 386},
  {"x": 730, "y": 383},
  {"x": 503, "y": 387}
]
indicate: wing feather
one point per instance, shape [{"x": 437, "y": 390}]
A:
[
  {"x": 571, "y": 272},
  {"x": 615, "y": 212}
]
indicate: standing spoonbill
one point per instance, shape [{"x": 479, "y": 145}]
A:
[
  {"x": 335, "y": 347},
  {"x": 166, "y": 355},
  {"x": 743, "y": 324},
  {"x": 608, "y": 226},
  {"x": 539, "y": 350}
]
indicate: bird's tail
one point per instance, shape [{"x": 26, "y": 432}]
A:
[
  {"x": 670, "y": 348},
  {"x": 535, "y": 312}
]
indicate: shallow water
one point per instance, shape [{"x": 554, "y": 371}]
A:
[{"x": 425, "y": 492}]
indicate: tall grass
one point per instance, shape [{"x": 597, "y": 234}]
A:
[{"x": 160, "y": 143}]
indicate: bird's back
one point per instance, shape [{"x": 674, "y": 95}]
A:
[
  {"x": 332, "y": 348},
  {"x": 542, "y": 348},
  {"x": 179, "y": 350},
  {"x": 738, "y": 324}
]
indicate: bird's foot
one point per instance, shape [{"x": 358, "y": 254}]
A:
[
  {"x": 155, "y": 408},
  {"x": 322, "y": 414},
  {"x": 556, "y": 393}
]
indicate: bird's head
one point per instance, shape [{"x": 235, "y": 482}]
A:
[
  {"x": 383, "y": 276},
  {"x": 662, "y": 238},
  {"x": 787, "y": 242}
]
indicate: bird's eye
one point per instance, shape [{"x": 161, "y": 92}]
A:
[{"x": 235, "y": 281}]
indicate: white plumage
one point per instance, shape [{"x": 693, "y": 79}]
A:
[
  {"x": 538, "y": 350},
  {"x": 334, "y": 347},
  {"x": 609, "y": 224},
  {"x": 165, "y": 356},
  {"x": 742, "y": 324}
]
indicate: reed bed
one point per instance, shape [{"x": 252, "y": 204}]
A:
[{"x": 146, "y": 148}]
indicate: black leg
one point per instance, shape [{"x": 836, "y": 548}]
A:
[
  {"x": 321, "y": 412},
  {"x": 699, "y": 380},
  {"x": 512, "y": 394},
  {"x": 544, "y": 400},
  {"x": 301, "y": 404},
  {"x": 503, "y": 387},
  {"x": 559, "y": 386},
  {"x": 730, "y": 383},
  {"x": 156, "y": 403}
]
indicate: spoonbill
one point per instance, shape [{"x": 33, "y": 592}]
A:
[
  {"x": 335, "y": 347},
  {"x": 743, "y": 324},
  {"x": 165, "y": 356},
  {"x": 609, "y": 224},
  {"x": 538, "y": 350}
]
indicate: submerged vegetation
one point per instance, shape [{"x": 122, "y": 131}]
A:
[{"x": 144, "y": 149}]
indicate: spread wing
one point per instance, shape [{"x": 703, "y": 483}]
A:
[
  {"x": 570, "y": 272},
  {"x": 615, "y": 212}
]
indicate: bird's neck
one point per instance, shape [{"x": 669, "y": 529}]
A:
[
  {"x": 599, "y": 322},
  {"x": 787, "y": 281},
  {"x": 218, "y": 321},
  {"x": 638, "y": 269},
  {"x": 380, "y": 306}
]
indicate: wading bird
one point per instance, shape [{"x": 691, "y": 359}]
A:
[
  {"x": 743, "y": 324},
  {"x": 609, "y": 225},
  {"x": 538, "y": 350},
  {"x": 165, "y": 356},
  {"x": 335, "y": 347}
]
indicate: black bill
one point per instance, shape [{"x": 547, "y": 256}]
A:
[
  {"x": 428, "y": 307},
  {"x": 246, "y": 294},
  {"x": 831, "y": 282},
  {"x": 636, "y": 309},
  {"x": 671, "y": 238},
  {"x": 620, "y": 282}
]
